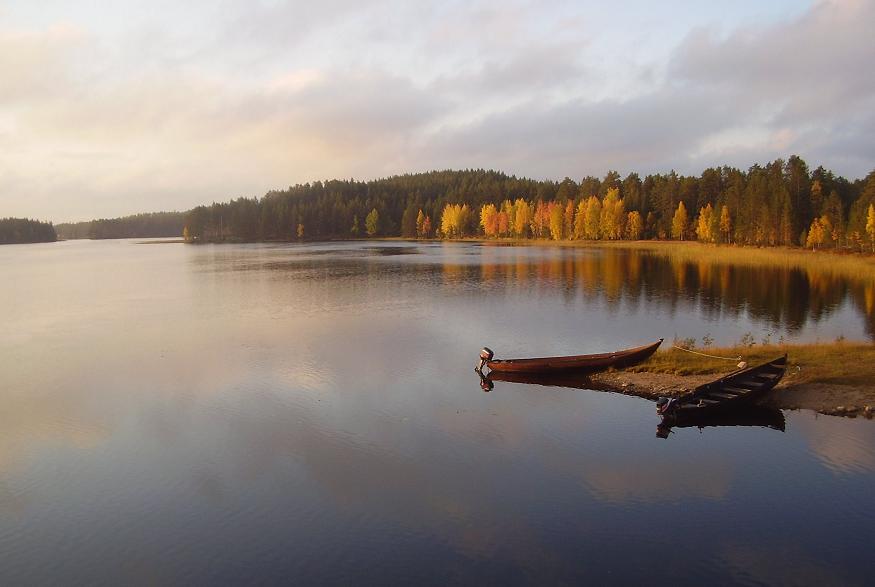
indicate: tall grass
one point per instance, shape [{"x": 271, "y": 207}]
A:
[{"x": 839, "y": 362}]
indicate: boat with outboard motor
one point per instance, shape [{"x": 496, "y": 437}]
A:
[{"x": 573, "y": 363}]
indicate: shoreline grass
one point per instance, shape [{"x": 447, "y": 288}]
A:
[{"x": 839, "y": 363}]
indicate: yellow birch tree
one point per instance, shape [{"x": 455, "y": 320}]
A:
[
  {"x": 679, "y": 222},
  {"x": 870, "y": 225},
  {"x": 634, "y": 226}
]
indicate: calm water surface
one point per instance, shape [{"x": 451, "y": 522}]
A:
[{"x": 302, "y": 414}]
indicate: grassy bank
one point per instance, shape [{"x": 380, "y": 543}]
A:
[{"x": 838, "y": 363}]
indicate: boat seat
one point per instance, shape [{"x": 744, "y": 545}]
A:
[
  {"x": 705, "y": 400},
  {"x": 722, "y": 395},
  {"x": 748, "y": 383},
  {"x": 736, "y": 390},
  {"x": 767, "y": 376}
]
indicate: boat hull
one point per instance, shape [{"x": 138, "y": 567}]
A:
[
  {"x": 735, "y": 391},
  {"x": 576, "y": 363}
]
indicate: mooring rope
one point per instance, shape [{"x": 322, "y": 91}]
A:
[{"x": 680, "y": 348}]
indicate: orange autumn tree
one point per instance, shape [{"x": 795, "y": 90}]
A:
[{"x": 489, "y": 220}]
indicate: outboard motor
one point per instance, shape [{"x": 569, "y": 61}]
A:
[
  {"x": 486, "y": 355},
  {"x": 664, "y": 405}
]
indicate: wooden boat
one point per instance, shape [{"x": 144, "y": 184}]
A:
[
  {"x": 734, "y": 391},
  {"x": 590, "y": 363},
  {"x": 751, "y": 416}
]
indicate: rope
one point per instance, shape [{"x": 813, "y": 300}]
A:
[{"x": 680, "y": 348}]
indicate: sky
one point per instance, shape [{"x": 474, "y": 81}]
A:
[{"x": 113, "y": 108}]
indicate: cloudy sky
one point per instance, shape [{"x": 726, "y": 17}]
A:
[{"x": 111, "y": 108}]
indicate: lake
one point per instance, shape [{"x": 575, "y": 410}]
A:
[{"x": 309, "y": 414}]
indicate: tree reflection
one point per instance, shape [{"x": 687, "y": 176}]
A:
[{"x": 785, "y": 298}]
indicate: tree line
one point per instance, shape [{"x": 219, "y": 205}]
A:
[
  {"x": 780, "y": 203},
  {"x": 23, "y": 230},
  {"x": 148, "y": 225}
]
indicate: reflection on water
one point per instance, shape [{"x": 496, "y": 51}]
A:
[
  {"x": 747, "y": 416},
  {"x": 308, "y": 413}
]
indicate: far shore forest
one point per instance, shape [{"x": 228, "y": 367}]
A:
[
  {"x": 24, "y": 230},
  {"x": 782, "y": 203}
]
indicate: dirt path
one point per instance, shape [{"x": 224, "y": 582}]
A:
[{"x": 839, "y": 400}]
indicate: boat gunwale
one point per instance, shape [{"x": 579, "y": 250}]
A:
[{"x": 570, "y": 361}]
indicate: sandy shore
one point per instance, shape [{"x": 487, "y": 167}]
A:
[{"x": 833, "y": 399}]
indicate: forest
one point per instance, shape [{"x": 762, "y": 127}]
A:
[
  {"x": 23, "y": 230},
  {"x": 782, "y": 203},
  {"x": 155, "y": 224}
]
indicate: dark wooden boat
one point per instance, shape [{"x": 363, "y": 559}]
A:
[
  {"x": 759, "y": 416},
  {"x": 734, "y": 391},
  {"x": 590, "y": 363}
]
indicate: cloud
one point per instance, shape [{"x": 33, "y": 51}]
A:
[
  {"x": 195, "y": 105},
  {"x": 650, "y": 133},
  {"x": 805, "y": 84}
]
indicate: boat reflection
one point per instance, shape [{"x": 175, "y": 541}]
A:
[
  {"x": 749, "y": 416},
  {"x": 577, "y": 379}
]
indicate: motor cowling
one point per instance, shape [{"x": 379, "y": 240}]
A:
[{"x": 485, "y": 356}]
